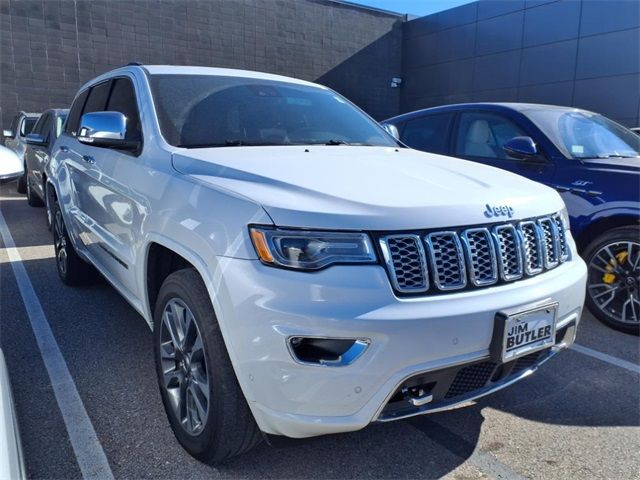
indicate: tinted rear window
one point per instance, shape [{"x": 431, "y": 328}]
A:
[
  {"x": 27, "y": 126},
  {"x": 428, "y": 133}
]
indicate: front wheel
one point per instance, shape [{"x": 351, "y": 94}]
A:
[
  {"x": 613, "y": 279},
  {"x": 203, "y": 401}
]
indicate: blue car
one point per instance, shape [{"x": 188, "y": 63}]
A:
[{"x": 592, "y": 161}]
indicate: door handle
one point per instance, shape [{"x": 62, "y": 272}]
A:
[
  {"x": 89, "y": 159},
  {"x": 64, "y": 149}
]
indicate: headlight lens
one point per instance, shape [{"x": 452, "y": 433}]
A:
[{"x": 310, "y": 250}]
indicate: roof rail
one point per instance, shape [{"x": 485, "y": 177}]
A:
[{"x": 134, "y": 64}]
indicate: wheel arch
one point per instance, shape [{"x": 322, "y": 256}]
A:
[
  {"x": 602, "y": 224},
  {"x": 156, "y": 247},
  {"x": 162, "y": 257}
]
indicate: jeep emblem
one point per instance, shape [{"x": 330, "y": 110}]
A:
[{"x": 502, "y": 210}]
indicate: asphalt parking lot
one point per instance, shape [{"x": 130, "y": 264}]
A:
[{"x": 577, "y": 417}]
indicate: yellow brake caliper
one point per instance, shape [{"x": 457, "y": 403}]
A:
[{"x": 610, "y": 277}]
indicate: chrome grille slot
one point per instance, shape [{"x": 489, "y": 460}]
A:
[
  {"x": 550, "y": 243},
  {"x": 474, "y": 257},
  {"x": 481, "y": 256},
  {"x": 509, "y": 252},
  {"x": 447, "y": 260},
  {"x": 405, "y": 259},
  {"x": 532, "y": 246},
  {"x": 562, "y": 240}
]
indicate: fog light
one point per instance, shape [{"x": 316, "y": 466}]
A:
[{"x": 335, "y": 352}]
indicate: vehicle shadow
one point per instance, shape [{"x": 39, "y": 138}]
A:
[{"x": 412, "y": 448}]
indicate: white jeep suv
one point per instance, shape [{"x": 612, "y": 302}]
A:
[{"x": 303, "y": 272}]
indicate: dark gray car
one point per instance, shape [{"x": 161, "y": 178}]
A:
[{"x": 39, "y": 145}]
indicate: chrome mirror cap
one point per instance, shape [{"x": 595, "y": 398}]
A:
[{"x": 103, "y": 128}]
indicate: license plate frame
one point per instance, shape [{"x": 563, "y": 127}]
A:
[{"x": 525, "y": 321}]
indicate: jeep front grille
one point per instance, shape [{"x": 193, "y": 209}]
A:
[{"x": 474, "y": 257}]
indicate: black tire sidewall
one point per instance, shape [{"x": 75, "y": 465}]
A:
[
  {"x": 198, "y": 302},
  {"x": 54, "y": 213},
  {"x": 621, "y": 234}
]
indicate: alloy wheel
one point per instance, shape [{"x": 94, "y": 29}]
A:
[
  {"x": 60, "y": 243},
  {"x": 614, "y": 281},
  {"x": 184, "y": 366}
]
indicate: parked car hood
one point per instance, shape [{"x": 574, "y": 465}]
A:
[
  {"x": 10, "y": 165},
  {"x": 626, "y": 164},
  {"x": 369, "y": 188}
]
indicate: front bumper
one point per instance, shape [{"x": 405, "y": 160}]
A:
[
  {"x": 7, "y": 177},
  {"x": 260, "y": 307}
]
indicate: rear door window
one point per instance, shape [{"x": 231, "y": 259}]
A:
[
  {"x": 27, "y": 126},
  {"x": 429, "y": 133},
  {"x": 39, "y": 127}
]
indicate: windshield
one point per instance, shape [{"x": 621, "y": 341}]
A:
[
  {"x": 60, "y": 123},
  {"x": 216, "y": 111},
  {"x": 27, "y": 125},
  {"x": 580, "y": 134}
]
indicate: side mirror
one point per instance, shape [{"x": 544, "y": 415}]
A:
[
  {"x": 520, "y": 147},
  {"x": 36, "y": 139},
  {"x": 8, "y": 133},
  {"x": 105, "y": 129},
  {"x": 391, "y": 130}
]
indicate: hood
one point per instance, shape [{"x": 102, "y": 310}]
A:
[
  {"x": 10, "y": 163},
  {"x": 366, "y": 188}
]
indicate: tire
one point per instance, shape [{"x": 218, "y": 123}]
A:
[
  {"x": 228, "y": 428},
  {"x": 72, "y": 269},
  {"x": 22, "y": 182},
  {"x": 613, "y": 278},
  {"x": 32, "y": 197},
  {"x": 48, "y": 207}
]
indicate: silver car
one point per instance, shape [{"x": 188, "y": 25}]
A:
[
  {"x": 15, "y": 139},
  {"x": 39, "y": 149}
]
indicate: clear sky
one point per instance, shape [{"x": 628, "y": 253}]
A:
[{"x": 415, "y": 7}]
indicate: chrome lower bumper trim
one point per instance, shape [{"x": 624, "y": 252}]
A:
[{"x": 469, "y": 399}]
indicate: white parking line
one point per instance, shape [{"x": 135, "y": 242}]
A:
[
  {"x": 618, "y": 362},
  {"x": 86, "y": 446}
]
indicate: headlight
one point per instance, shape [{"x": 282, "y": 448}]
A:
[{"x": 310, "y": 250}]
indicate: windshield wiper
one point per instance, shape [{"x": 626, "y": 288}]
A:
[
  {"x": 608, "y": 155},
  {"x": 333, "y": 141},
  {"x": 227, "y": 143}
]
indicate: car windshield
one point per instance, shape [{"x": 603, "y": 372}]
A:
[
  {"x": 580, "y": 134},
  {"x": 27, "y": 125},
  {"x": 60, "y": 119},
  {"x": 217, "y": 111}
]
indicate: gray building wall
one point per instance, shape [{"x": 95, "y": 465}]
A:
[
  {"x": 48, "y": 48},
  {"x": 582, "y": 53}
]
